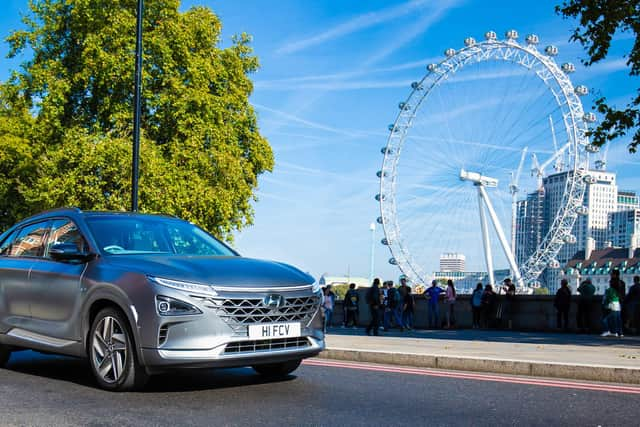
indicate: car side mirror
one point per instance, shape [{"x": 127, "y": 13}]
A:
[{"x": 68, "y": 252}]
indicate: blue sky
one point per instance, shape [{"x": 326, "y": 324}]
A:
[{"x": 332, "y": 74}]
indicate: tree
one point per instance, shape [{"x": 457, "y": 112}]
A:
[
  {"x": 70, "y": 108},
  {"x": 599, "y": 21}
]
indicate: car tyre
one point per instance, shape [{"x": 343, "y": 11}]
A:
[
  {"x": 281, "y": 369},
  {"x": 112, "y": 353},
  {"x": 5, "y": 354}
]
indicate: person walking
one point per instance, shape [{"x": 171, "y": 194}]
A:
[
  {"x": 488, "y": 306},
  {"x": 451, "y": 304},
  {"x": 328, "y": 304},
  {"x": 476, "y": 305},
  {"x": 585, "y": 303},
  {"x": 433, "y": 295},
  {"x": 632, "y": 306},
  {"x": 351, "y": 302},
  {"x": 408, "y": 309},
  {"x": 562, "y": 303},
  {"x": 373, "y": 301},
  {"x": 612, "y": 303},
  {"x": 394, "y": 307},
  {"x": 509, "y": 298}
]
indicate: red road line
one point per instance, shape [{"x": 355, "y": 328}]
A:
[{"x": 474, "y": 376}]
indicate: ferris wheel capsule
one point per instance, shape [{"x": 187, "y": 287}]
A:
[
  {"x": 511, "y": 34},
  {"x": 600, "y": 164},
  {"x": 416, "y": 86},
  {"x": 404, "y": 106},
  {"x": 582, "y": 210},
  {"x": 393, "y": 261},
  {"x": 432, "y": 67},
  {"x": 589, "y": 179},
  {"x": 581, "y": 90},
  {"x": 490, "y": 36},
  {"x": 554, "y": 264},
  {"x": 449, "y": 52},
  {"x": 591, "y": 148},
  {"x": 381, "y": 174},
  {"x": 590, "y": 117},
  {"x": 386, "y": 150},
  {"x": 568, "y": 67},
  {"x": 379, "y": 197},
  {"x": 469, "y": 41},
  {"x": 551, "y": 50},
  {"x": 385, "y": 241},
  {"x": 379, "y": 220},
  {"x": 532, "y": 39},
  {"x": 570, "y": 239}
]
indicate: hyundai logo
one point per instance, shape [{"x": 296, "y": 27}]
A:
[{"x": 274, "y": 301}]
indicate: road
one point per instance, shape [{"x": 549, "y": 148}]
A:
[{"x": 58, "y": 391}]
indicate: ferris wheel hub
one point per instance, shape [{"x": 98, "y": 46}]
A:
[{"x": 478, "y": 178}]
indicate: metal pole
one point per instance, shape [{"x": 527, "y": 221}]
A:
[
  {"x": 372, "y": 227},
  {"x": 136, "y": 111},
  {"x": 485, "y": 238},
  {"x": 502, "y": 238}
]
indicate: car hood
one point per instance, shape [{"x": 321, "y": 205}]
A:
[{"x": 221, "y": 271}]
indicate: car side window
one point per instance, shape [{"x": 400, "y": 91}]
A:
[
  {"x": 5, "y": 246},
  {"x": 30, "y": 240},
  {"x": 65, "y": 231}
]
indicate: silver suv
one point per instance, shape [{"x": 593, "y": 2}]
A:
[{"x": 139, "y": 294}]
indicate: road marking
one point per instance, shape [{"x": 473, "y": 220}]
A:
[{"x": 474, "y": 376}]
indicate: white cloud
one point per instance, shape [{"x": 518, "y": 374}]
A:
[{"x": 353, "y": 25}]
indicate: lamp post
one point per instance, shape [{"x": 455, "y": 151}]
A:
[
  {"x": 372, "y": 228},
  {"x": 135, "y": 160}
]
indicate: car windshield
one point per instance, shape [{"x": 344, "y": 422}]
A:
[{"x": 120, "y": 235}]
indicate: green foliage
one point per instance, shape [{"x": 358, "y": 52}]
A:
[
  {"x": 66, "y": 114},
  {"x": 541, "y": 291},
  {"x": 340, "y": 290},
  {"x": 599, "y": 21}
]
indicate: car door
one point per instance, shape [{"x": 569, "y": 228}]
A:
[
  {"x": 56, "y": 286},
  {"x": 16, "y": 260}
]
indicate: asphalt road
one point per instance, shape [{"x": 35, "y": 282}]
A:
[{"x": 57, "y": 391}]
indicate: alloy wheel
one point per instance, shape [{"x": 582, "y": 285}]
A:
[{"x": 109, "y": 349}]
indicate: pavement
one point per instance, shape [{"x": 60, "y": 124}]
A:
[{"x": 541, "y": 354}]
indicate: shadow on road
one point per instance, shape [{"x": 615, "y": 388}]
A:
[{"x": 78, "y": 371}]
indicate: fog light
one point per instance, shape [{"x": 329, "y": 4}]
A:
[{"x": 163, "y": 306}]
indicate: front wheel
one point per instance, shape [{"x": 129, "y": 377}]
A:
[
  {"x": 112, "y": 353},
  {"x": 277, "y": 369},
  {"x": 5, "y": 353}
]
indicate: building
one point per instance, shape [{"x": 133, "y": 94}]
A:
[
  {"x": 466, "y": 281},
  {"x": 537, "y": 214},
  {"x": 598, "y": 265},
  {"x": 360, "y": 282},
  {"x": 628, "y": 200},
  {"x": 452, "y": 262},
  {"x": 623, "y": 226}
]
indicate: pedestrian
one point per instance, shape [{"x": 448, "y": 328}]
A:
[
  {"x": 451, "y": 303},
  {"x": 622, "y": 291},
  {"x": 328, "y": 304},
  {"x": 562, "y": 303},
  {"x": 394, "y": 307},
  {"x": 632, "y": 306},
  {"x": 351, "y": 302},
  {"x": 612, "y": 323},
  {"x": 488, "y": 306},
  {"x": 433, "y": 295},
  {"x": 476, "y": 305},
  {"x": 509, "y": 298},
  {"x": 373, "y": 301},
  {"x": 585, "y": 303},
  {"x": 408, "y": 309}
]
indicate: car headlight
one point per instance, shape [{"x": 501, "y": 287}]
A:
[
  {"x": 190, "y": 287},
  {"x": 173, "y": 307},
  {"x": 316, "y": 287}
]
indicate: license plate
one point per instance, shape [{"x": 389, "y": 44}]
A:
[{"x": 274, "y": 330}]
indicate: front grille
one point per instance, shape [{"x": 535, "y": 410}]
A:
[
  {"x": 238, "y": 313},
  {"x": 266, "y": 345}
]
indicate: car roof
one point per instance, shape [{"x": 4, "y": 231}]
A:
[{"x": 75, "y": 212}]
